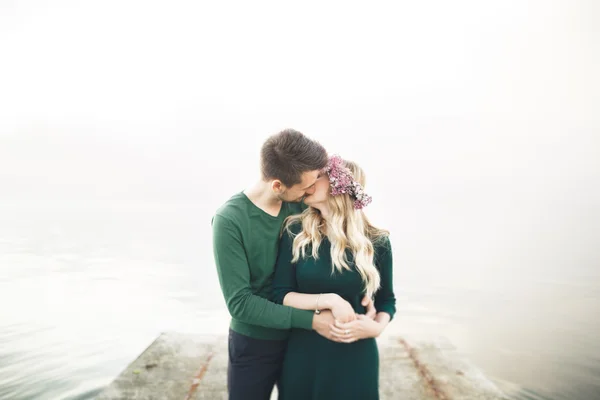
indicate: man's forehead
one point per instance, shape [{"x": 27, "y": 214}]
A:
[{"x": 308, "y": 178}]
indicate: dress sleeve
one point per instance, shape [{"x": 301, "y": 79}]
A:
[
  {"x": 284, "y": 280},
  {"x": 385, "y": 300}
]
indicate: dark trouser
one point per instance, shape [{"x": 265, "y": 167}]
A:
[{"x": 254, "y": 366}]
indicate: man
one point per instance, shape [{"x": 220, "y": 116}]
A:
[{"x": 246, "y": 231}]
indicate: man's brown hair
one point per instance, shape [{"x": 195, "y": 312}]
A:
[{"x": 288, "y": 154}]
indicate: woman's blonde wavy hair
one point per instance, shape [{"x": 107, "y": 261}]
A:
[{"x": 347, "y": 229}]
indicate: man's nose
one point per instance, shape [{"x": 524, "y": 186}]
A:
[{"x": 310, "y": 191}]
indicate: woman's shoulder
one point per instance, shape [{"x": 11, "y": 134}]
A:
[{"x": 382, "y": 244}]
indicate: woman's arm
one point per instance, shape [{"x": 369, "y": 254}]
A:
[
  {"x": 340, "y": 308},
  {"x": 385, "y": 299},
  {"x": 385, "y": 302},
  {"x": 309, "y": 301}
]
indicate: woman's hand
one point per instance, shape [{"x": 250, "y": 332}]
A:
[
  {"x": 361, "y": 328},
  {"x": 342, "y": 310},
  {"x": 367, "y": 302}
]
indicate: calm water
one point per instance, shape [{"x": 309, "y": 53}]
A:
[
  {"x": 476, "y": 122},
  {"x": 83, "y": 293}
]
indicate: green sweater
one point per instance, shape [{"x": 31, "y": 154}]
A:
[{"x": 245, "y": 245}]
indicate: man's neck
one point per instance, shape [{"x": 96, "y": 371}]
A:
[{"x": 261, "y": 195}]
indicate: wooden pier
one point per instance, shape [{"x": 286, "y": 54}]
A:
[{"x": 194, "y": 367}]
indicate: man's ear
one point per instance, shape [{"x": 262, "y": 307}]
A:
[{"x": 277, "y": 186}]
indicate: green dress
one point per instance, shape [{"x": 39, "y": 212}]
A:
[{"x": 316, "y": 368}]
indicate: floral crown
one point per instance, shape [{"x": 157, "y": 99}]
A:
[{"x": 342, "y": 181}]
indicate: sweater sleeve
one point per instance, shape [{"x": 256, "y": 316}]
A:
[
  {"x": 385, "y": 300},
  {"x": 284, "y": 280},
  {"x": 234, "y": 276}
]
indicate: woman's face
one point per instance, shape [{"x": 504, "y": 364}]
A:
[{"x": 321, "y": 191}]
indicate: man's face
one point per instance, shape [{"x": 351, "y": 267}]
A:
[
  {"x": 320, "y": 192},
  {"x": 306, "y": 187}
]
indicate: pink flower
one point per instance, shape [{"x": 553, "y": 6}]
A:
[{"x": 342, "y": 181}]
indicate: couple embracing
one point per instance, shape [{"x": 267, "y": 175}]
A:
[{"x": 306, "y": 278}]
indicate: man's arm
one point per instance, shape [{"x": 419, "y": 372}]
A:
[{"x": 234, "y": 277}]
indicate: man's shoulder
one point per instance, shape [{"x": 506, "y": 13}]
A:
[
  {"x": 235, "y": 209},
  {"x": 295, "y": 208}
]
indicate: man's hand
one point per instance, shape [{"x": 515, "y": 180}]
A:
[
  {"x": 342, "y": 310},
  {"x": 322, "y": 324},
  {"x": 368, "y": 302},
  {"x": 362, "y": 328}
]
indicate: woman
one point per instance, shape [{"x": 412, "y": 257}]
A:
[{"x": 330, "y": 256}]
